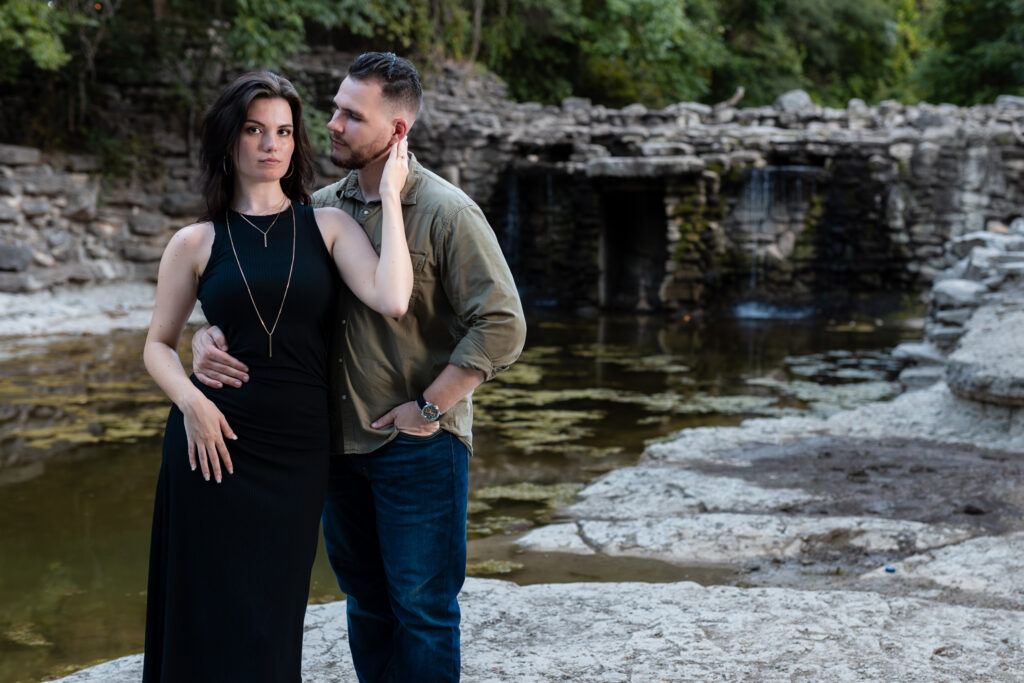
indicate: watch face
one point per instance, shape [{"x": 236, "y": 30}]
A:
[{"x": 430, "y": 412}]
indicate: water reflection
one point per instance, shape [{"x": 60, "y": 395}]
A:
[{"x": 79, "y": 452}]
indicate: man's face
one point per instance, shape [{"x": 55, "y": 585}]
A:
[{"x": 363, "y": 125}]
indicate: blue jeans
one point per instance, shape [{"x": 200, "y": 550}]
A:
[{"x": 395, "y": 531}]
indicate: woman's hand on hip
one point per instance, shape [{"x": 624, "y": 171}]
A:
[{"x": 206, "y": 427}]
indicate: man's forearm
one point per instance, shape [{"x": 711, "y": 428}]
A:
[{"x": 452, "y": 385}]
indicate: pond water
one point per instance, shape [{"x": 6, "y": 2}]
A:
[{"x": 80, "y": 425}]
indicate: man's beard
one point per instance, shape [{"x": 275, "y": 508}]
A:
[{"x": 355, "y": 160}]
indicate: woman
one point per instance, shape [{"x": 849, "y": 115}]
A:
[{"x": 233, "y": 543}]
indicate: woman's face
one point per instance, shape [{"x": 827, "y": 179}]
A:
[{"x": 266, "y": 143}]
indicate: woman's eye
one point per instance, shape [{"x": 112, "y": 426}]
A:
[
  {"x": 252, "y": 130},
  {"x": 285, "y": 131}
]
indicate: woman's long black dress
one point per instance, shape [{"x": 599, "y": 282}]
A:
[{"x": 230, "y": 563}]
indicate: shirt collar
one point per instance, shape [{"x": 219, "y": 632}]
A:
[{"x": 350, "y": 184}]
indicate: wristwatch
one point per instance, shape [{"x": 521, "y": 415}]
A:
[{"x": 429, "y": 411}]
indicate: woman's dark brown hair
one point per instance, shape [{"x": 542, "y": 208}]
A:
[{"x": 219, "y": 137}]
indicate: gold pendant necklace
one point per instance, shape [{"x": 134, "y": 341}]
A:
[
  {"x": 267, "y": 231},
  {"x": 291, "y": 268}
]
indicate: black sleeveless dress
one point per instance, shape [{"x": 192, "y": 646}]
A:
[{"x": 230, "y": 563}]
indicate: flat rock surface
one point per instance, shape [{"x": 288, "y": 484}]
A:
[
  {"x": 96, "y": 309},
  {"x": 881, "y": 543},
  {"x": 989, "y": 564},
  {"x": 728, "y": 537},
  {"x": 686, "y": 632}
]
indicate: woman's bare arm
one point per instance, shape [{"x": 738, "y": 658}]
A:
[{"x": 177, "y": 285}]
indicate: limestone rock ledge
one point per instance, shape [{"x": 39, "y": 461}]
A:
[
  {"x": 989, "y": 365},
  {"x": 686, "y": 632}
]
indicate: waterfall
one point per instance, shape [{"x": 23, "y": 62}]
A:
[
  {"x": 510, "y": 240},
  {"x": 753, "y": 211},
  {"x": 773, "y": 202}
]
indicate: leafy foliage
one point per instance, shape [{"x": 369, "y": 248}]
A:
[
  {"x": 31, "y": 31},
  {"x": 75, "y": 53},
  {"x": 835, "y": 50},
  {"x": 613, "y": 51},
  {"x": 977, "y": 51}
]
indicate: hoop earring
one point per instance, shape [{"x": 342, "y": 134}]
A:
[
  {"x": 291, "y": 169},
  {"x": 224, "y": 165}
]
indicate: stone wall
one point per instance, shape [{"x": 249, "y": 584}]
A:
[
  {"x": 681, "y": 208},
  {"x": 792, "y": 203},
  {"x": 61, "y": 222}
]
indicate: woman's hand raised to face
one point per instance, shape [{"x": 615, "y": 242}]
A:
[{"x": 396, "y": 170}]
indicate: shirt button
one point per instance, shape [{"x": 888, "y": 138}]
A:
[
  {"x": 343, "y": 322},
  {"x": 344, "y": 397},
  {"x": 366, "y": 211},
  {"x": 341, "y": 360}
]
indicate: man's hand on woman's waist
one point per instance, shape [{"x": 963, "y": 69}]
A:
[{"x": 212, "y": 364}]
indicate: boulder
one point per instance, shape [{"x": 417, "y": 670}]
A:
[
  {"x": 14, "y": 155},
  {"x": 146, "y": 223},
  {"x": 15, "y": 256},
  {"x": 142, "y": 251},
  {"x": 644, "y": 167},
  {"x": 8, "y": 214},
  {"x": 9, "y": 187},
  {"x": 989, "y": 365},
  {"x": 793, "y": 101},
  {"x": 918, "y": 352},
  {"x": 921, "y": 376},
  {"x": 1010, "y": 101},
  {"x": 35, "y": 207},
  {"x": 182, "y": 204},
  {"x": 957, "y": 293}
]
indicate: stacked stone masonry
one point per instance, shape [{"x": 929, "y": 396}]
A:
[{"x": 677, "y": 208}]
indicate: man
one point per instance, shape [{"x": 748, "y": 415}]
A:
[{"x": 395, "y": 517}]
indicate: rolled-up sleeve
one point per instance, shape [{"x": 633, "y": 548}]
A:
[{"x": 479, "y": 285}]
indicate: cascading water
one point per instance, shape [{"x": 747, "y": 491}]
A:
[
  {"x": 510, "y": 239},
  {"x": 772, "y": 203}
]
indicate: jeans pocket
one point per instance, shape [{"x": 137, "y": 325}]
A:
[{"x": 419, "y": 439}]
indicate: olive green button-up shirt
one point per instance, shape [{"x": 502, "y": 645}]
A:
[{"x": 464, "y": 310}]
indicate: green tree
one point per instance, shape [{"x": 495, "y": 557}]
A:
[
  {"x": 31, "y": 31},
  {"x": 613, "y": 51},
  {"x": 836, "y": 50},
  {"x": 977, "y": 51}
]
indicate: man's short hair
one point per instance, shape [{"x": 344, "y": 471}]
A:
[{"x": 398, "y": 78}]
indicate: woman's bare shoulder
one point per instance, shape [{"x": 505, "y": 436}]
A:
[
  {"x": 193, "y": 239},
  {"x": 328, "y": 215}
]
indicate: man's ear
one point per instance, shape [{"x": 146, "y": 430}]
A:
[{"x": 401, "y": 129}]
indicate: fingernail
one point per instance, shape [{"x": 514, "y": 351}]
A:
[
  {"x": 374, "y": 425},
  {"x": 193, "y": 468},
  {"x": 237, "y": 383},
  {"x": 218, "y": 479},
  {"x": 224, "y": 348},
  {"x": 234, "y": 437},
  {"x": 245, "y": 378},
  {"x": 206, "y": 477},
  {"x": 231, "y": 470}
]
